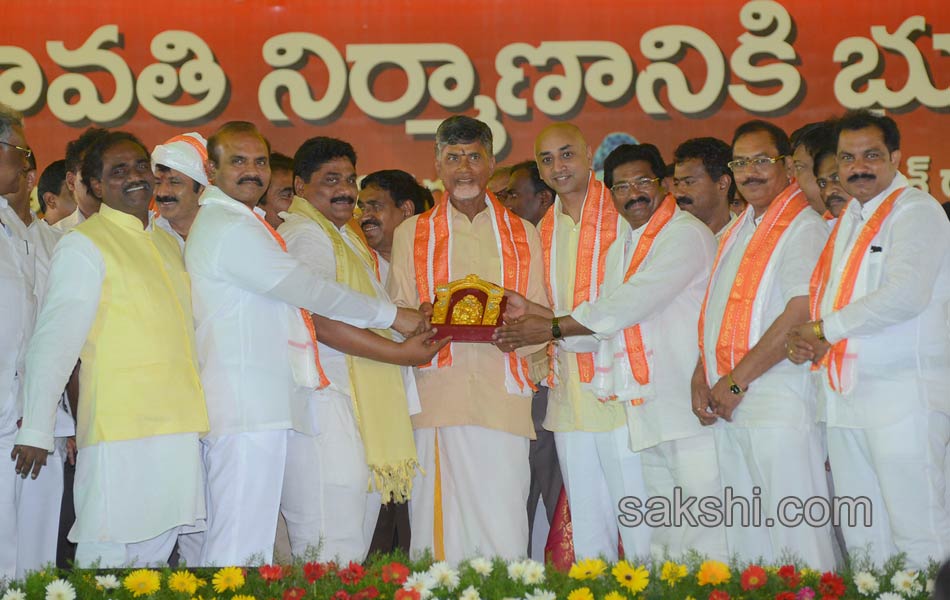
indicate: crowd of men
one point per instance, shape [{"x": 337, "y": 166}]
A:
[{"x": 214, "y": 339}]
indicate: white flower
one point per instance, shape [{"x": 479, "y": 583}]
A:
[
  {"x": 107, "y": 582},
  {"x": 890, "y": 596},
  {"x": 470, "y": 593},
  {"x": 443, "y": 575},
  {"x": 482, "y": 566},
  {"x": 60, "y": 589},
  {"x": 14, "y": 594},
  {"x": 421, "y": 582},
  {"x": 905, "y": 583},
  {"x": 516, "y": 570},
  {"x": 540, "y": 595},
  {"x": 929, "y": 587},
  {"x": 866, "y": 583},
  {"x": 533, "y": 572}
]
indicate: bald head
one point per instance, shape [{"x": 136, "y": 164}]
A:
[{"x": 564, "y": 160}]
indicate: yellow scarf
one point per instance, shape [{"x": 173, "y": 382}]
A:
[{"x": 377, "y": 389}]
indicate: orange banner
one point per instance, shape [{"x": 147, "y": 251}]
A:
[{"x": 382, "y": 75}]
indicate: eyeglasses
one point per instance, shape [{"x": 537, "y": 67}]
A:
[
  {"x": 625, "y": 188},
  {"x": 26, "y": 151},
  {"x": 757, "y": 163},
  {"x": 831, "y": 180}
]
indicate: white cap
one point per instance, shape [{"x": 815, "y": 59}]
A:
[{"x": 186, "y": 153}]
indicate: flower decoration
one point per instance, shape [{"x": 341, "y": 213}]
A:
[
  {"x": 142, "y": 582},
  {"x": 633, "y": 579},
  {"x": 753, "y": 578},
  {"x": 713, "y": 572},
  {"x": 583, "y": 593},
  {"x": 395, "y": 572},
  {"x": 227, "y": 579},
  {"x": 183, "y": 582},
  {"x": 589, "y": 568},
  {"x": 672, "y": 572}
]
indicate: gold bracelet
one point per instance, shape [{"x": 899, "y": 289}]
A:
[{"x": 819, "y": 333}]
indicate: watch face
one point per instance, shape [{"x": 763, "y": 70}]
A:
[{"x": 735, "y": 389}]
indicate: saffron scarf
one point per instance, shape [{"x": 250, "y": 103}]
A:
[
  {"x": 432, "y": 256},
  {"x": 377, "y": 389},
  {"x": 598, "y": 231},
  {"x": 834, "y": 360},
  {"x": 733, "y": 342},
  {"x": 613, "y": 377}
]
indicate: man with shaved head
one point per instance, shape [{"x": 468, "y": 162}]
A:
[{"x": 591, "y": 436}]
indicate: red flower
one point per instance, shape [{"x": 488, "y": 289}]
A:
[
  {"x": 366, "y": 594},
  {"x": 296, "y": 593},
  {"x": 753, "y": 578},
  {"x": 831, "y": 586},
  {"x": 785, "y": 596},
  {"x": 791, "y": 577},
  {"x": 314, "y": 571},
  {"x": 403, "y": 594},
  {"x": 271, "y": 573},
  {"x": 341, "y": 595},
  {"x": 395, "y": 573},
  {"x": 352, "y": 574},
  {"x": 718, "y": 595}
]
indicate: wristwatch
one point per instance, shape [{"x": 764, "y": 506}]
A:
[
  {"x": 555, "y": 329},
  {"x": 733, "y": 386}
]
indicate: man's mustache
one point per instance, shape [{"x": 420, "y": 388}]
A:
[
  {"x": 370, "y": 223},
  {"x": 752, "y": 181},
  {"x": 684, "y": 200},
  {"x": 251, "y": 179},
  {"x": 166, "y": 199},
  {"x": 137, "y": 185},
  {"x": 342, "y": 200},
  {"x": 859, "y": 176},
  {"x": 632, "y": 201},
  {"x": 836, "y": 198}
]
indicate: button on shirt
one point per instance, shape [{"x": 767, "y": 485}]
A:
[{"x": 245, "y": 289}]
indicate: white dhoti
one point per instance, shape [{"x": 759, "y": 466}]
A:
[
  {"x": 30, "y": 525},
  {"x": 781, "y": 462},
  {"x": 245, "y": 474},
  {"x": 325, "y": 500},
  {"x": 900, "y": 469},
  {"x": 689, "y": 464},
  {"x": 136, "y": 491},
  {"x": 600, "y": 470},
  {"x": 483, "y": 477}
]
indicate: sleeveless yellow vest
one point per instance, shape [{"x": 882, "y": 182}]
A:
[{"x": 139, "y": 374}]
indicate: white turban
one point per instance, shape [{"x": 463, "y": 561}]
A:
[{"x": 186, "y": 153}]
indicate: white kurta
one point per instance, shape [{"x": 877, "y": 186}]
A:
[
  {"x": 69, "y": 222},
  {"x": 125, "y": 491},
  {"x": 664, "y": 297},
  {"x": 888, "y": 430},
  {"x": 32, "y": 530},
  {"x": 773, "y": 443},
  {"x": 163, "y": 223},
  {"x": 325, "y": 498}
]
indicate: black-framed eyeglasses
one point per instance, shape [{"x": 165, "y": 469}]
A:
[
  {"x": 26, "y": 151},
  {"x": 625, "y": 188},
  {"x": 758, "y": 163}
]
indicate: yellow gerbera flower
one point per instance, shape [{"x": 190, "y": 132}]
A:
[
  {"x": 713, "y": 572},
  {"x": 634, "y": 579},
  {"x": 581, "y": 594},
  {"x": 142, "y": 582},
  {"x": 672, "y": 572},
  {"x": 243, "y": 597},
  {"x": 589, "y": 568},
  {"x": 615, "y": 595},
  {"x": 227, "y": 579},
  {"x": 183, "y": 582}
]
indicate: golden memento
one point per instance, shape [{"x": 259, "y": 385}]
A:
[{"x": 475, "y": 306}]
